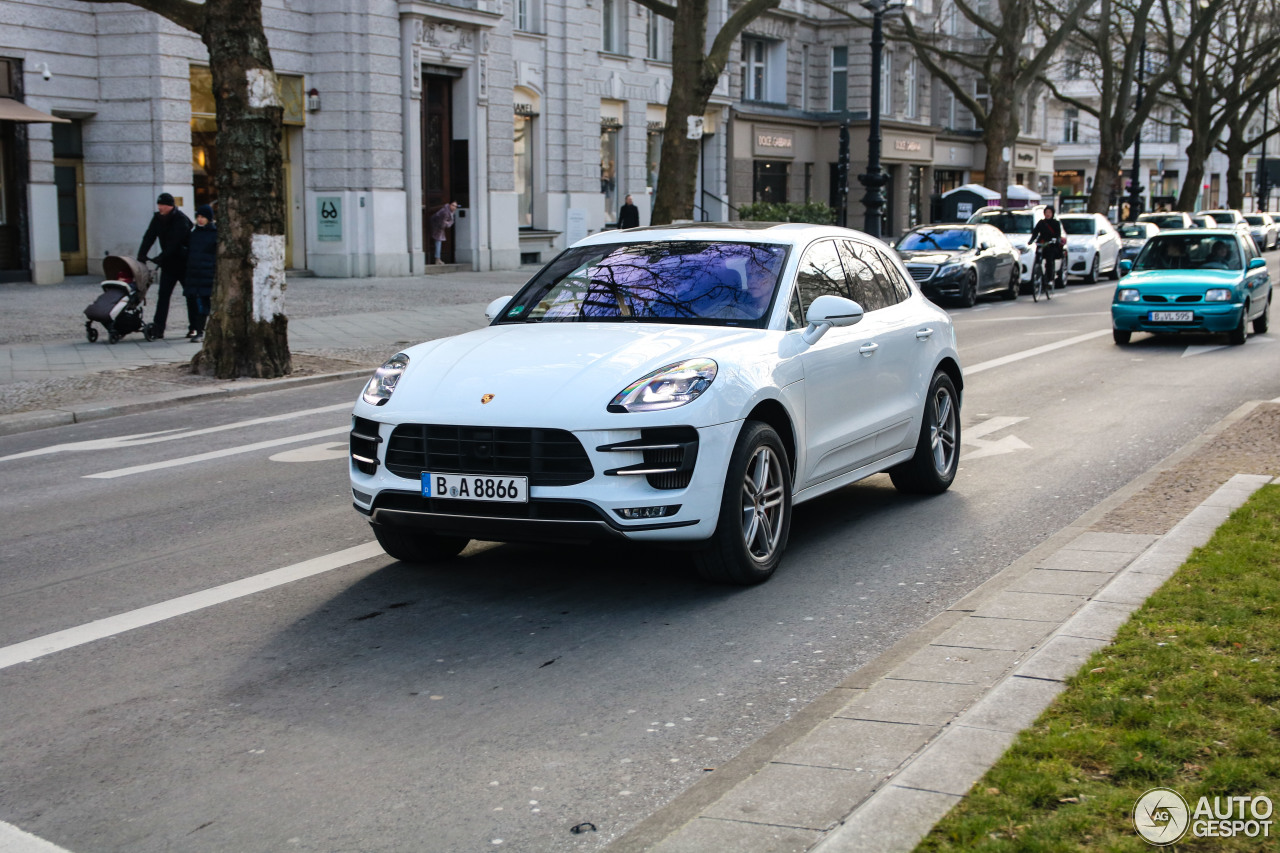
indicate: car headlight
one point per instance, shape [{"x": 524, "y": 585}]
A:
[
  {"x": 1128, "y": 294},
  {"x": 949, "y": 270},
  {"x": 383, "y": 384},
  {"x": 667, "y": 387},
  {"x": 1217, "y": 294}
]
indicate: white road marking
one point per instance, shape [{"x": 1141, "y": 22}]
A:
[
  {"x": 1053, "y": 317},
  {"x": 1019, "y": 356},
  {"x": 216, "y": 454},
  {"x": 314, "y": 453},
  {"x": 168, "y": 435},
  {"x": 151, "y": 614},
  {"x": 14, "y": 840},
  {"x": 1200, "y": 349},
  {"x": 973, "y": 436}
]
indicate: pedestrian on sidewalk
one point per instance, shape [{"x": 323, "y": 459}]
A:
[
  {"x": 629, "y": 215},
  {"x": 202, "y": 262},
  {"x": 170, "y": 227},
  {"x": 441, "y": 222}
]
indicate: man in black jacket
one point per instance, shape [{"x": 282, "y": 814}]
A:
[
  {"x": 170, "y": 227},
  {"x": 629, "y": 215}
]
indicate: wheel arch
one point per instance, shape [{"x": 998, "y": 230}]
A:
[
  {"x": 774, "y": 414},
  {"x": 952, "y": 369}
]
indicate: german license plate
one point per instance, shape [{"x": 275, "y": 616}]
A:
[
  {"x": 475, "y": 487},
  {"x": 1171, "y": 316}
]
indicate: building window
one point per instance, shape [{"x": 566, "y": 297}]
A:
[
  {"x": 659, "y": 38},
  {"x": 1071, "y": 125},
  {"x": 982, "y": 94},
  {"x": 612, "y": 26},
  {"x": 524, "y": 164},
  {"x": 610, "y": 130},
  {"x": 886, "y": 83},
  {"x": 912, "y": 107},
  {"x": 839, "y": 79},
  {"x": 653, "y": 154},
  {"x": 764, "y": 66},
  {"x": 529, "y": 15},
  {"x": 769, "y": 181}
]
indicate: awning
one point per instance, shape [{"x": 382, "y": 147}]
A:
[
  {"x": 1022, "y": 193},
  {"x": 11, "y": 110}
]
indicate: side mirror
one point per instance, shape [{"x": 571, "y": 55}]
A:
[
  {"x": 1126, "y": 267},
  {"x": 829, "y": 310},
  {"x": 1255, "y": 263},
  {"x": 495, "y": 308}
]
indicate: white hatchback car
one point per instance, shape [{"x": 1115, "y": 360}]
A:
[
  {"x": 685, "y": 384},
  {"x": 1093, "y": 245}
]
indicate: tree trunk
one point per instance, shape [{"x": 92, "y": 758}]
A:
[
  {"x": 247, "y": 332},
  {"x": 1236, "y": 151},
  {"x": 1000, "y": 133},
  {"x": 1105, "y": 182},
  {"x": 678, "y": 177},
  {"x": 1197, "y": 153}
]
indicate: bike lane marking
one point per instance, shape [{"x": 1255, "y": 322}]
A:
[
  {"x": 215, "y": 454},
  {"x": 110, "y": 626},
  {"x": 14, "y": 840}
]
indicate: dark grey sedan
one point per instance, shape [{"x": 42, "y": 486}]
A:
[{"x": 960, "y": 262}]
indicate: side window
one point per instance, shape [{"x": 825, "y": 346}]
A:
[
  {"x": 795, "y": 313},
  {"x": 901, "y": 289},
  {"x": 820, "y": 273},
  {"x": 872, "y": 279}
]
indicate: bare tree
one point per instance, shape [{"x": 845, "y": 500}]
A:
[
  {"x": 1229, "y": 70},
  {"x": 695, "y": 70},
  {"x": 1109, "y": 44},
  {"x": 1002, "y": 56},
  {"x": 247, "y": 333}
]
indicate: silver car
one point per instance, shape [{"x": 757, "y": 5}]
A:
[{"x": 1264, "y": 230}]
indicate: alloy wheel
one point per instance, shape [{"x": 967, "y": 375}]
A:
[
  {"x": 942, "y": 432},
  {"x": 762, "y": 504}
]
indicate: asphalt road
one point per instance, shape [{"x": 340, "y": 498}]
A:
[{"x": 500, "y": 701}]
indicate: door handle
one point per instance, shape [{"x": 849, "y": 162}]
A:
[
  {"x": 924, "y": 334},
  {"x": 868, "y": 349}
]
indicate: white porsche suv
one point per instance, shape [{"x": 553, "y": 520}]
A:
[{"x": 685, "y": 384}]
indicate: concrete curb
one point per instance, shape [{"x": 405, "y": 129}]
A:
[
  {"x": 44, "y": 418},
  {"x": 875, "y": 762}
]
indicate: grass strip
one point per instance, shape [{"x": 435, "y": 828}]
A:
[{"x": 1187, "y": 697}]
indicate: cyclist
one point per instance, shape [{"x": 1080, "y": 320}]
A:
[{"x": 1047, "y": 235}]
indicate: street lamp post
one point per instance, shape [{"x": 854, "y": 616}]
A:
[
  {"x": 1264, "y": 177},
  {"x": 875, "y": 177},
  {"x": 1135, "y": 189},
  {"x": 842, "y": 174}
]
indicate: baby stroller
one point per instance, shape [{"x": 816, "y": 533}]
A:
[{"x": 124, "y": 294}]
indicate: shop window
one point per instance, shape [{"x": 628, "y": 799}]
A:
[
  {"x": 839, "y": 79},
  {"x": 659, "y": 38},
  {"x": 610, "y": 130},
  {"x": 769, "y": 181},
  {"x": 524, "y": 121}
]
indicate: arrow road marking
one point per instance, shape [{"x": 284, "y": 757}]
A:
[{"x": 973, "y": 436}]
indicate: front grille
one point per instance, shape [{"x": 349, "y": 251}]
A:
[
  {"x": 1153, "y": 297},
  {"x": 921, "y": 272},
  {"x": 548, "y": 457},
  {"x": 1190, "y": 297},
  {"x": 364, "y": 445}
]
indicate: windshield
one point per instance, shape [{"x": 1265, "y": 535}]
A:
[
  {"x": 1133, "y": 232},
  {"x": 1224, "y": 218},
  {"x": 704, "y": 283},
  {"x": 946, "y": 239},
  {"x": 1079, "y": 226},
  {"x": 1008, "y": 222},
  {"x": 1189, "y": 252}
]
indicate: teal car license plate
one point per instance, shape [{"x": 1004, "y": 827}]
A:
[
  {"x": 1171, "y": 316},
  {"x": 475, "y": 487}
]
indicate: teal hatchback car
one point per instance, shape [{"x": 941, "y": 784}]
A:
[{"x": 1194, "y": 280}]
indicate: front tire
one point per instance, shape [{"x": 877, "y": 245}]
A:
[
  {"x": 1262, "y": 323},
  {"x": 1015, "y": 281},
  {"x": 1092, "y": 277},
  {"x": 1121, "y": 336},
  {"x": 1237, "y": 336},
  {"x": 417, "y": 546},
  {"x": 933, "y": 468},
  {"x": 969, "y": 296},
  {"x": 755, "y": 511}
]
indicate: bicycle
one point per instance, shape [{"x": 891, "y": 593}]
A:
[{"x": 1042, "y": 284}]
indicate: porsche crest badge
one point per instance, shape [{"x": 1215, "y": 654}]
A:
[{"x": 486, "y": 398}]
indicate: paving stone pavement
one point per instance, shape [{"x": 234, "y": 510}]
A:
[{"x": 869, "y": 767}]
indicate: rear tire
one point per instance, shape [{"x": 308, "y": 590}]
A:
[
  {"x": 1121, "y": 336},
  {"x": 933, "y": 468},
  {"x": 1262, "y": 323},
  {"x": 418, "y": 546},
  {"x": 1015, "y": 281},
  {"x": 969, "y": 296},
  {"x": 755, "y": 511}
]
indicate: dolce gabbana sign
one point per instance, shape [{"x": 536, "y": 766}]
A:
[
  {"x": 911, "y": 148},
  {"x": 770, "y": 142}
]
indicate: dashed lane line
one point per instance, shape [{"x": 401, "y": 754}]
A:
[{"x": 151, "y": 614}]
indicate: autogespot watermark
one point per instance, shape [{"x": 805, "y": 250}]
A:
[{"x": 1163, "y": 817}]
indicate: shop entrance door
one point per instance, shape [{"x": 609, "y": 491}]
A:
[{"x": 68, "y": 178}]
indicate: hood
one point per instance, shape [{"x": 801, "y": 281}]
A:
[
  {"x": 930, "y": 256},
  {"x": 528, "y": 367},
  {"x": 1081, "y": 239},
  {"x": 1181, "y": 281},
  {"x": 1134, "y": 242}
]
